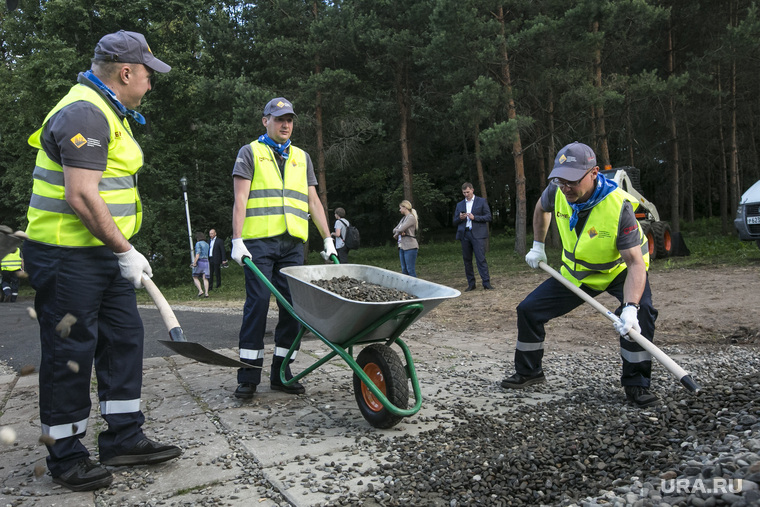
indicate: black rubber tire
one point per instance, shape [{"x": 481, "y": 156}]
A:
[
  {"x": 663, "y": 240},
  {"x": 649, "y": 233},
  {"x": 383, "y": 364}
]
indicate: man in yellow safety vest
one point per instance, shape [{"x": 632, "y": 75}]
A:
[
  {"x": 275, "y": 194},
  {"x": 11, "y": 265},
  {"x": 603, "y": 250},
  {"x": 84, "y": 210}
]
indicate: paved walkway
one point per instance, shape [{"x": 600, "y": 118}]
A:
[{"x": 277, "y": 448}]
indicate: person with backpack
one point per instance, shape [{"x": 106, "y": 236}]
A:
[
  {"x": 406, "y": 235},
  {"x": 341, "y": 228}
]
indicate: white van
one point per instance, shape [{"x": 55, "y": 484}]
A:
[{"x": 747, "y": 221}]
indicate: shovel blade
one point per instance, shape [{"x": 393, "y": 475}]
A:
[{"x": 203, "y": 355}]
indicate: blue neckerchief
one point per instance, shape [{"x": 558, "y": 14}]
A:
[
  {"x": 603, "y": 188},
  {"x": 280, "y": 149},
  {"x": 112, "y": 97}
]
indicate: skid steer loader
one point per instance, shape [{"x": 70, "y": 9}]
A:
[{"x": 657, "y": 231}]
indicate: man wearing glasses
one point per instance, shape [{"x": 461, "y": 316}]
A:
[{"x": 603, "y": 250}]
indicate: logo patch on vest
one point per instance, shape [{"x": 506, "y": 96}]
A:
[
  {"x": 117, "y": 134},
  {"x": 592, "y": 233},
  {"x": 78, "y": 140}
]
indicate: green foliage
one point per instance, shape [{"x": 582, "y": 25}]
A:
[
  {"x": 499, "y": 138},
  {"x": 357, "y": 61}
]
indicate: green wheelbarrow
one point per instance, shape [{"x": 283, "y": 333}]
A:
[{"x": 381, "y": 380}]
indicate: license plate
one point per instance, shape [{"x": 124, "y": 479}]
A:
[{"x": 753, "y": 220}]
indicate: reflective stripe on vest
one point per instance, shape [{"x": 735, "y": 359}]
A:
[
  {"x": 276, "y": 206},
  {"x": 51, "y": 219},
  {"x": 593, "y": 258},
  {"x": 12, "y": 261}
]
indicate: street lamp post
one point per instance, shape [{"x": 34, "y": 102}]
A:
[{"x": 183, "y": 182}]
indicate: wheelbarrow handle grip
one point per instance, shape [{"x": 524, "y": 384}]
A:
[{"x": 650, "y": 347}]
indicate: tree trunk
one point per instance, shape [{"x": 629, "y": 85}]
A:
[
  {"x": 754, "y": 173},
  {"x": 319, "y": 127},
  {"x": 517, "y": 153},
  {"x": 552, "y": 239},
  {"x": 724, "y": 169},
  {"x": 675, "y": 161},
  {"x": 402, "y": 98},
  {"x": 733, "y": 168},
  {"x": 479, "y": 164},
  {"x": 629, "y": 130},
  {"x": 689, "y": 178},
  {"x": 321, "y": 177},
  {"x": 603, "y": 155}
]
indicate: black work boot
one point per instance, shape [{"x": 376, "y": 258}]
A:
[
  {"x": 277, "y": 385},
  {"x": 640, "y": 396},
  {"x": 84, "y": 476},
  {"x": 518, "y": 381},
  {"x": 144, "y": 452},
  {"x": 245, "y": 390}
]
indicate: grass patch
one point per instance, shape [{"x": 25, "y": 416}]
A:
[{"x": 440, "y": 261}]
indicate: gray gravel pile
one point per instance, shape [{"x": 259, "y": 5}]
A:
[
  {"x": 590, "y": 442},
  {"x": 360, "y": 290}
]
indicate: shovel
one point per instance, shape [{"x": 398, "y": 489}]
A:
[
  {"x": 650, "y": 347},
  {"x": 178, "y": 343}
]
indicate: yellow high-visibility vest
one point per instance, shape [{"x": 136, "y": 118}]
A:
[
  {"x": 593, "y": 258},
  {"x": 12, "y": 261},
  {"x": 51, "y": 219},
  {"x": 275, "y": 204}
]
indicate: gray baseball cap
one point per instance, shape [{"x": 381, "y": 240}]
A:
[
  {"x": 128, "y": 47},
  {"x": 573, "y": 161},
  {"x": 279, "y": 107}
]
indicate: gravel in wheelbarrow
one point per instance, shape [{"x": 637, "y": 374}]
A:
[
  {"x": 360, "y": 290},
  {"x": 338, "y": 318}
]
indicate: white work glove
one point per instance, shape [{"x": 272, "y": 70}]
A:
[
  {"x": 535, "y": 255},
  {"x": 132, "y": 265},
  {"x": 629, "y": 319},
  {"x": 329, "y": 249},
  {"x": 239, "y": 251}
]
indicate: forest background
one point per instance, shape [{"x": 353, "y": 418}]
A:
[{"x": 406, "y": 100}]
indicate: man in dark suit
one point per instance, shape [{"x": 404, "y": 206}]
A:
[
  {"x": 216, "y": 257},
  {"x": 471, "y": 220}
]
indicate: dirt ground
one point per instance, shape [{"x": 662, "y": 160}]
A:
[
  {"x": 698, "y": 305},
  {"x": 706, "y": 305}
]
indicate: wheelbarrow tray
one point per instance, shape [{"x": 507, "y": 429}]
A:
[{"x": 339, "y": 319}]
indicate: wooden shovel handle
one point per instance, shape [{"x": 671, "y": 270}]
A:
[
  {"x": 167, "y": 314},
  {"x": 650, "y": 347}
]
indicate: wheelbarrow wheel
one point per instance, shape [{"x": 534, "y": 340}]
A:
[{"x": 386, "y": 370}]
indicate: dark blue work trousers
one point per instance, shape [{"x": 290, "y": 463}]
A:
[
  {"x": 552, "y": 299},
  {"x": 472, "y": 245},
  {"x": 269, "y": 255},
  {"x": 86, "y": 283}
]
